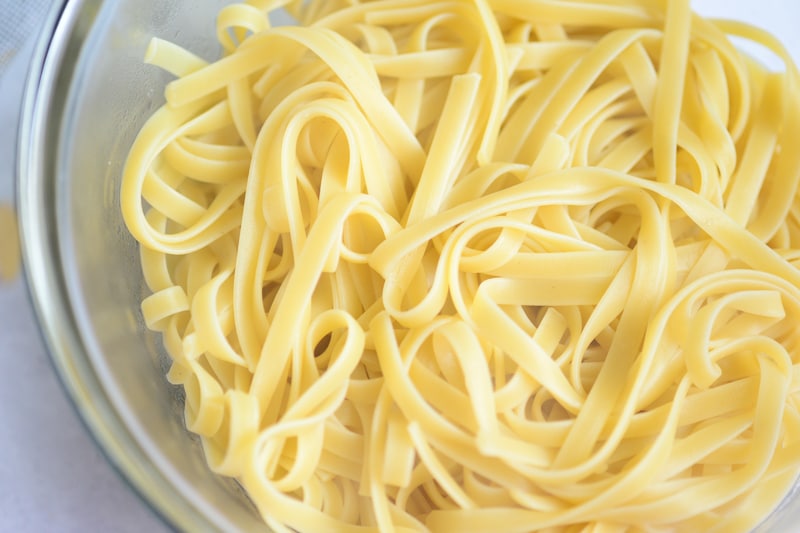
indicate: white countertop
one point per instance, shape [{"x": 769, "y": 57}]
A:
[{"x": 53, "y": 477}]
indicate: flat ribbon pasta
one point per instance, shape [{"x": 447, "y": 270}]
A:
[{"x": 487, "y": 265}]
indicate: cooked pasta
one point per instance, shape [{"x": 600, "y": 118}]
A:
[{"x": 477, "y": 266}]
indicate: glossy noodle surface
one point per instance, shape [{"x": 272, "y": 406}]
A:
[{"x": 477, "y": 266}]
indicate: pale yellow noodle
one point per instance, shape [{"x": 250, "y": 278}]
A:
[{"x": 488, "y": 265}]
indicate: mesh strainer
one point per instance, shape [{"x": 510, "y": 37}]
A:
[{"x": 20, "y": 21}]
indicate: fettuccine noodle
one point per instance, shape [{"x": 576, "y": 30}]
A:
[{"x": 477, "y": 266}]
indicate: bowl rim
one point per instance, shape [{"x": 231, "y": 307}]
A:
[{"x": 37, "y": 135}]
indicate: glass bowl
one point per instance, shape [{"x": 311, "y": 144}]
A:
[{"x": 87, "y": 96}]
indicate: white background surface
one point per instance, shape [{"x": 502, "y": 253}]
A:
[{"x": 52, "y": 475}]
